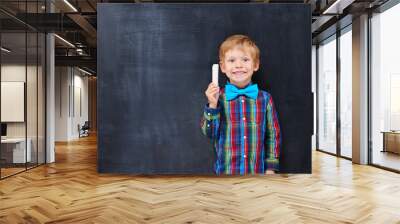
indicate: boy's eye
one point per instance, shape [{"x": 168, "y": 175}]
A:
[
  {"x": 246, "y": 59},
  {"x": 231, "y": 60}
]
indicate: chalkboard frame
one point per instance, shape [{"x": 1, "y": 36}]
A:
[{"x": 120, "y": 147}]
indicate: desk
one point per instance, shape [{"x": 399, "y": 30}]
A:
[
  {"x": 16, "y": 147},
  {"x": 391, "y": 141}
]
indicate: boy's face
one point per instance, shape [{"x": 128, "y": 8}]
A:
[{"x": 239, "y": 66}]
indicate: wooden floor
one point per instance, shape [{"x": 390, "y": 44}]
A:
[
  {"x": 71, "y": 191},
  {"x": 387, "y": 159},
  {"x": 5, "y": 172}
]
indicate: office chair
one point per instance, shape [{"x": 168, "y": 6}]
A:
[{"x": 84, "y": 130}]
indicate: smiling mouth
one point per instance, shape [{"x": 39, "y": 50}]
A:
[{"x": 239, "y": 73}]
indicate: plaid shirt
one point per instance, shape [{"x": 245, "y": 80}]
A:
[{"x": 241, "y": 130}]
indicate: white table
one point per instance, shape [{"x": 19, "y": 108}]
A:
[{"x": 18, "y": 144}]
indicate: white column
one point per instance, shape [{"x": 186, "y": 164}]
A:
[
  {"x": 50, "y": 110},
  {"x": 50, "y": 93},
  {"x": 360, "y": 90}
]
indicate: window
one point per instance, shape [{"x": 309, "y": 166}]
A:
[
  {"x": 385, "y": 87},
  {"x": 327, "y": 95},
  {"x": 346, "y": 92}
]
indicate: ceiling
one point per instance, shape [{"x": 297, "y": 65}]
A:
[{"x": 76, "y": 22}]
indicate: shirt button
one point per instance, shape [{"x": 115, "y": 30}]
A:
[
  {"x": 208, "y": 114},
  {"x": 242, "y": 101},
  {"x": 244, "y": 156},
  {"x": 244, "y": 137},
  {"x": 244, "y": 118},
  {"x": 208, "y": 125}
]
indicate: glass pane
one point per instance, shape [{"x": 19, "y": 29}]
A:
[
  {"x": 327, "y": 96},
  {"x": 23, "y": 84},
  {"x": 31, "y": 101},
  {"x": 386, "y": 88},
  {"x": 345, "y": 94},
  {"x": 41, "y": 98},
  {"x": 313, "y": 88},
  {"x": 14, "y": 152}
]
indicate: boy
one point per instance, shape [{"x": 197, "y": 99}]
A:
[{"x": 240, "y": 119}]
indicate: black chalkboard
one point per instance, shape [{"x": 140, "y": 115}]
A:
[{"x": 154, "y": 64}]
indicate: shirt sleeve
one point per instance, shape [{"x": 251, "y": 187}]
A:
[
  {"x": 273, "y": 138},
  {"x": 210, "y": 122}
]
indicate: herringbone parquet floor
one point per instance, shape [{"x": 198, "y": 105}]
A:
[{"x": 71, "y": 191}]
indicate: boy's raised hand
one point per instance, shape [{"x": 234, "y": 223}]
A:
[{"x": 212, "y": 94}]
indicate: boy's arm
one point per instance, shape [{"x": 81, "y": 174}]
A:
[
  {"x": 210, "y": 122},
  {"x": 273, "y": 138}
]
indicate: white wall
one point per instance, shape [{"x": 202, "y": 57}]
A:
[
  {"x": 71, "y": 102},
  {"x": 62, "y": 81},
  {"x": 80, "y": 110}
]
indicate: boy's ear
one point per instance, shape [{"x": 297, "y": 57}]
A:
[
  {"x": 257, "y": 66},
  {"x": 222, "y": 66}
]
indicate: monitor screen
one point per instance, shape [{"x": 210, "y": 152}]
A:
[{"x": 3, "y": 129}]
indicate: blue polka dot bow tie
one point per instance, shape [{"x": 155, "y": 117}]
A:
[{"x": 232, "y": 91}]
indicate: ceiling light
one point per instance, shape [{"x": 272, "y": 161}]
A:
[
  {"x": 70, "y": 5},
  {"x": 86, "y": 72},
  {"x": 5, "y": 50},
  {"x": 338, "y": 6},
  {"x": 64, "y": 40}
]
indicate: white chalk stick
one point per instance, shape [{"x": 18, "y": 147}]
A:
[{"x": 215, "y": 69}]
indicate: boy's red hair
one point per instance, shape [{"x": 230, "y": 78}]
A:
[{"x": 239, "y": 40}]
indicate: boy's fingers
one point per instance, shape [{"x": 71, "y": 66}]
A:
[
  {"x": 213, "y": 87},
  {"x": 209, "y": 89},
  {"x": 214, "y": 91},
  {"x": 210, "y": 95}
]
